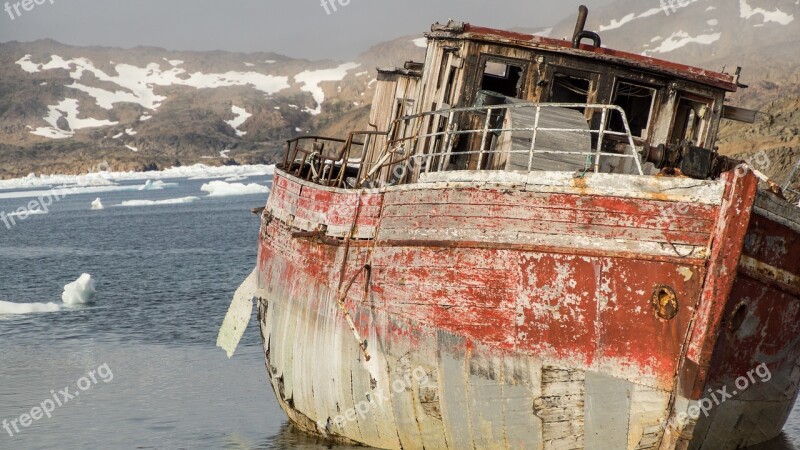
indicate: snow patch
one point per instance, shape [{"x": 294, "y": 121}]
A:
[
  {"x": 312, "y": 79},
  {"x": 132, "y": 148},
  {"x": 241, "y": 117},
  {"x": 67, "y": 109},
  {"x": 777, "y": 16},
  {"x": 680, "y": 39},
  {"x": 138, "y": 83},
  {"x": 614, "y": 24}
]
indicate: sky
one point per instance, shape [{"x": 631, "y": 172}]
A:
[{"x": 339, "y": 30}]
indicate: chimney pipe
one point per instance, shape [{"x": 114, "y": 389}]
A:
[
  {"x": 583, "y": 13},
  {"x": 580, "y": 30}
]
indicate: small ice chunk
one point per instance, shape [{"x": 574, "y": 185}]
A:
[
  {"x": 97, "y": 204},
  {"x": 157, "y": 185},
  {"x": 80, "y": 292}
]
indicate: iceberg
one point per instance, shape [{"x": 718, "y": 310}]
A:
[{"x": 80, "y": 292}]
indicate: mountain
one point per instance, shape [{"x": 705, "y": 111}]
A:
[{"x": 63, "y": 109}]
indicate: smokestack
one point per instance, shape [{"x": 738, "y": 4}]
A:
[{"x": 583, "y": 13}]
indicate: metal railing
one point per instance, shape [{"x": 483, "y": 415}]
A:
[
  {"x": 408, "y": 151},
  {"x": 327, "y": 161}
]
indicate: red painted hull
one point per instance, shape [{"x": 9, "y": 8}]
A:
[{"x": 529, "y": 304}]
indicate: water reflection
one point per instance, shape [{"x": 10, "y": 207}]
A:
[
  {"x": 782, "y": 442},
  {"x": 291, "y": 437}
]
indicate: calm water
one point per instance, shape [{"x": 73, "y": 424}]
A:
[{"x": 165, "y": 276}]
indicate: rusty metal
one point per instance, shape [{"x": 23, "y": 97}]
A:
[
  {"x": 665, "y": 302},
  {"x": 580, "y": 32}
]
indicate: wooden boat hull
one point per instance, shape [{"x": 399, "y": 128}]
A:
[{"x": 542, "y": 310}]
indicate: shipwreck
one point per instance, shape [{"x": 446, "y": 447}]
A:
[{"x": 534, "y": 245}]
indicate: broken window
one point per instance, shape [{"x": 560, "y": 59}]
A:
[
  {"x": 570, "y": 89},
  {"x": 690, "y": 121},
  {"x": 503, "y": 78},
  {"x": 637, "y": 102}
]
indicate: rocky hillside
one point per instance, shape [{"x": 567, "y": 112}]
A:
[{"x": 63, "y": 109}]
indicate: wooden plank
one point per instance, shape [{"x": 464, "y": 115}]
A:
[
  {"x": 442, "y": 227},
  {"x": 739, "y": 114},
  {"x": 535, "y": 200},
  {"x": 552, "y": 214}
]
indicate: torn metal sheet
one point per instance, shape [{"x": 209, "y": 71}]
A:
[{"x": 238, "y": 316}]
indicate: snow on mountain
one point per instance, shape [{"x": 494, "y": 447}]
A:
[
  {"x": 139, "y": 83},
  {"x": 311, "y": 80},
  {"x": 694, "y": 31},
  {"x": 67, "y": 109},
  {"x": 241, "y": 117}
]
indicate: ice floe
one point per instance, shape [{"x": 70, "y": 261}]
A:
[
  {"x": 108, "y": 179},
  {"x": 9, "y": 308},
  {"x": 225, "y": 189},
  {"x": 157, "y": 185},
  {"x": 169, "y": 201},
  {"x": 80, "y": 292}
]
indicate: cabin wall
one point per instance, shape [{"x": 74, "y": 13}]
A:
[{"x": 470, "y": 58}]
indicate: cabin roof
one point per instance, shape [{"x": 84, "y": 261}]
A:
[{"x": 467, "y": 31}]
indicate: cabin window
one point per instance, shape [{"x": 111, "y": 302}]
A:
[
  {"x": 503, "y": 78},
  {"x": 691, "y": 117},
  {"x": 570, "y": 89},
  {"x": 637, "y": 102}
]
